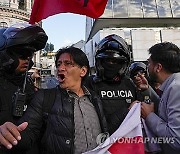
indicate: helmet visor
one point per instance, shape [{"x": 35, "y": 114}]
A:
[
  {"x": 24, "y": 52},
  {"x": 114, "y": 61},
  {"x": 109, "y": 54}
]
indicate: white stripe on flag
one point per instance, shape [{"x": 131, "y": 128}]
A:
[{"x": 130, "y": 127}]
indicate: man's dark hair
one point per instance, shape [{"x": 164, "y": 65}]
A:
[
  {"x": 77, "y": 55},
  {"x": 168, "y": 55}
]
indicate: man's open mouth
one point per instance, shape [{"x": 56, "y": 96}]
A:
[{"x": 61, "y": 77}]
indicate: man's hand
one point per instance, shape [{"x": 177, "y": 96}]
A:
[
  {"x": 10, "y": 134},
  {"x": 131, "y": 105},
  {"x": 146, "y": 109},
  {"x": 141, "y": 82}
]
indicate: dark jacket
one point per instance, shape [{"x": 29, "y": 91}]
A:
[
  {"x": 58, "y": 134},
  {"x": 9, "y": 83},
  {"x": 116, "y": 98}
]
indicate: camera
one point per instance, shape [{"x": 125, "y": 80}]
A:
[
  {"x": 18, "y": 103},
  {"x": 147, "y": 100}
]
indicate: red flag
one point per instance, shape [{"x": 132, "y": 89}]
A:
[
  {"x": 45, "y": 8},
  {"x": 127, "y": 139},
  {"x": 125, "y": 145}
]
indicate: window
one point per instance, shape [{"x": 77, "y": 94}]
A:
[
  {"x": 164, "y": 9},
  {"x": 108, "y": 10},
  {"x": 175, "y": 4},
  {"x": 135, "y": 8},
  {"x": 22, "y": 4},
  {"x": 3, "y": 24},
  {"x": 120, "y": 9},
  {"x": 149, "y": 8}
]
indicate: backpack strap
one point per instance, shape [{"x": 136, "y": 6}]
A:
[{"x": 49, "y": 99}]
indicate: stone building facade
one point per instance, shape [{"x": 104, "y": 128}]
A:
[{"x": 13, "y": 11}]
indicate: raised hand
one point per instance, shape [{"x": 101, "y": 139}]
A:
[{"x": 141, "y": 82}]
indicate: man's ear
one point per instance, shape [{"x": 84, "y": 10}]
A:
[
  {"x": 158, "y": 67},
  {"x": 83, "y": 71}
]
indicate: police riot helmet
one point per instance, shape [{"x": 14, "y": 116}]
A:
[
  {"x": 112, "y": 57},
  {"x": 136, "y": 67},
  {"x": 21, "y": 38}
]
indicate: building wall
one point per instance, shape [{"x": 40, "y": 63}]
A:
[
  {"x": 13, "y": 11},
  {"x": 139, "y": 38},
  {"x": 172, "y": 35},
  {"x": 142, "y": 40},
  {"x": 142, "y": 8}
]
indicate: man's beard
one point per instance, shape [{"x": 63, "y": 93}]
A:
[{"x": 153, "y": 77}]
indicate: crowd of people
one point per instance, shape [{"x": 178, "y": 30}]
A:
[{"x": 83, "y": 106}]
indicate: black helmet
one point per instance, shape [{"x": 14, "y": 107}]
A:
[
  {"x": 13, "y": 39},
  {"x": 137, "y": 67},
  {"x": 112, "y": 48},
  {"x": 23, "y": 34}
]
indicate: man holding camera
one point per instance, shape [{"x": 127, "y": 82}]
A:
[
  {"x": 164, "y": 68},
  {"x": 17, "y": 46}
]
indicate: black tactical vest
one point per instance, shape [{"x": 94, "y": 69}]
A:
[{"x": 116, "y": 98}]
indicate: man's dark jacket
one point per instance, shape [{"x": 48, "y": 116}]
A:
[
  {"x": 58, "y": 133},
  {"x": 9, "y": 83}
]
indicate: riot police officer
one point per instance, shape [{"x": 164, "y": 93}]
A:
[
  {"x": 117, "y": 91},
  {"x": 137, "y": 67},
  {"x": 17, "y": 46}
]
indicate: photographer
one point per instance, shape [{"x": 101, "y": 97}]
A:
[
  {"x": 17, "y": 46},
  {"x": 137, "y": 67},
  {"x": 164, "y": 68}
]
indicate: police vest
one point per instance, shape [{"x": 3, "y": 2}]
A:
[{"x": 115, "y": 96}]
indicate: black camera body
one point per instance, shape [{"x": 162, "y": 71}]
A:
[
  {"x": 147, "y": 100},
  {"x": 18, "y": 103}
]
